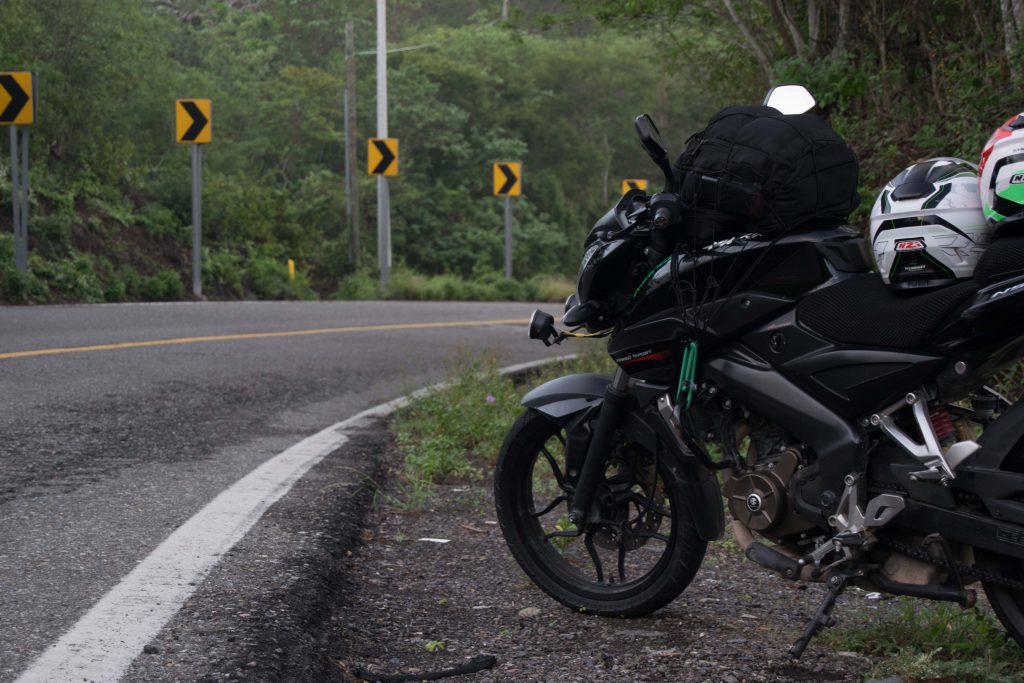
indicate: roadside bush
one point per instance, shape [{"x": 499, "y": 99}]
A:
[
  {"x": 268, "y": 279},
  {"x": 15, "y": 286},
  {"x": 160, "y": 221},
  {"x": 404, "y": 284},
  {"x": 75, "y": 277},
  {"x": 123, "y": 285},
  {"x": 358, "y": 285},
  {"x": 53, "y": 230},
  {"x": 164, "y": 286},
  {"x": 553, "y": 288},
  {"x": 223, "y": 273}
]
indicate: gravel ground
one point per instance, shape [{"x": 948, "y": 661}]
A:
[{"x": 406, "y": 596}]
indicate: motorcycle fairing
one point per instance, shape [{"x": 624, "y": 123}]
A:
[{"x": 574, "y": 400}]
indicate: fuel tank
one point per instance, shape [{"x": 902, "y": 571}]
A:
[{"x": 728, "y": 288}]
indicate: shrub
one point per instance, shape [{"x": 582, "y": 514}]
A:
[
  {"x": 405, "y": 284},
  {"x": 222, "y": 273},
  {"x": 268, "y": 279},
  {"x": 164, "y": 286},
  {"x": 554, "y": 288},
  {"x": 72, "y": 279},
  {"x": 358, "y": 285}
]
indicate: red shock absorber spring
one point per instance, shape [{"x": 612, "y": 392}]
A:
[{"x": 942, "y": 422}]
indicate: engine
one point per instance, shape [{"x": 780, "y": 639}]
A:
[{"x": 759, "y": 495}]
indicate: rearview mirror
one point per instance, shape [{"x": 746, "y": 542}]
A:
[
  {"x": 650, "y": 138},
  {"x": 790, "y": 99}
]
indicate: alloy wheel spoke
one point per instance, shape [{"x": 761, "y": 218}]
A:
[
  {"x": 588, "y": 541},
  {"x": 554, "y": 468},
  {"x": 651, "y": 534},
  {"x": 551, "y": 506},
  {"x": 642, "y": 503}
]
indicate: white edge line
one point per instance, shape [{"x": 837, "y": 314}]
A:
[{"x": 107, "y": 639}]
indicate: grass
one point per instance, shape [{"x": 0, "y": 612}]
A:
[
  {"x": 409, "y": 285},
  {"x": 929, "y": 641},
  {"x": 456, "y": 433}
]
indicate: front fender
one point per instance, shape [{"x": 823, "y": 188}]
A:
[
  {"x": 563, "y": 398},
  {"x": 572, "y": 401}
]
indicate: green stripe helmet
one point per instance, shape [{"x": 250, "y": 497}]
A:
[
  {"x": 927, "y": 225},
  {"x": 1002, "y": 174}
]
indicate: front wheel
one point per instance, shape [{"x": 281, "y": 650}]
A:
[{"x": 640, "y": 555}]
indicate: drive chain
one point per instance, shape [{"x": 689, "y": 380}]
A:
[{"x": 920, "y": 553}]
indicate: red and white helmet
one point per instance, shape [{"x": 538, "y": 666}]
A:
[
  {"x": 1002, "y": 174},
  {"x": 927, "y": 228}
]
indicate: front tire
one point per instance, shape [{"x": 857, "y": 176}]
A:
[{"x": 641, "y": 555}]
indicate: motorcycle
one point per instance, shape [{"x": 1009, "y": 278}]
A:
[{"x": 856, "y": 434}]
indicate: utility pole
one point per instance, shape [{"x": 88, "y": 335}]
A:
[
  {"x": 504, "y": 10},
  {"x": 383, "y": 197},
  {"x": 351, "y": 185}
]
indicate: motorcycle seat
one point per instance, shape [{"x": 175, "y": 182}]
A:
[
  {"x": 1003, "y": 259},
  {"x": 864, "y": 311}
]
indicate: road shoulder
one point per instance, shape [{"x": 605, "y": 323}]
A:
[{"x": 265, "y": 612}]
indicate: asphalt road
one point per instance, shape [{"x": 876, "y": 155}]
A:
[{"x": 105, "y": 452}]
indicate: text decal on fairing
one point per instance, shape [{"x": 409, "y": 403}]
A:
[
  {"x": 1008, "y": 290},
  {"x": 649, "y": 354},
  {"x": 910, "y": 245}
]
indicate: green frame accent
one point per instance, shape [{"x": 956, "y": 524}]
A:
[
  {"x": 649, "y": 276},
  {"x": 687, "y": 372}
]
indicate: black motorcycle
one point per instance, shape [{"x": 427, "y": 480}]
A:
[{"x": 855, "y": 430}]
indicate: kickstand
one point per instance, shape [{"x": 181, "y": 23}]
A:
[{"x": 823, "y": 617}]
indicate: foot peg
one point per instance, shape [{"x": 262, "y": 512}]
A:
[{"x": 773, "y": 559}]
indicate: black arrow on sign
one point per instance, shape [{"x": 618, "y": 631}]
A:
[
  {"x": 386, "y": 157},
  {"x": 199, "y": 121},
  {"x": 510, "y": 179},
  {"x": 632, "y": 185},
  {"x": 19, "y": 98}
]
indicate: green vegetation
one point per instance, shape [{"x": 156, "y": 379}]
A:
[
  {"x": 407, "y": 284},
  {"x": 109, "y": 216},
  {"x": 923, "y": 640},
  {"x": 457, "y": 432},
  {"x": 555, "y": 85},
  {"x": 899, "y": 80}
]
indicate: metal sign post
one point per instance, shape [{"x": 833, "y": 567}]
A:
[
  {"x": 508, "y": 237},
  {"x": 383, "y": 191},
  {"x": 18, "y": 110},
  {"x": 16, "y": 201},
  {"x": 508, "y": 182},
  {"x": 197, "y": 220},
  {"x": 21, "y": 237},
  {"x": 194, "y": 126}
]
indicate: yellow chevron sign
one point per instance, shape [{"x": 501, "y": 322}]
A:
[
  {"x": 634, "y": 184},
  {"x": 17, "y": 98},
  {"x": 382, "y": 156},
  {"x": 193, "y": 121},
  {"x": 508, "y": 178}
]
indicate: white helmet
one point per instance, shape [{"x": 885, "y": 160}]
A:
[
  {"x": 927, "y": 228},
  {"x": 1002, "y": 173}
]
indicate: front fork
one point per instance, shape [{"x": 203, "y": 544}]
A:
[{"x": 615, "y": 397}]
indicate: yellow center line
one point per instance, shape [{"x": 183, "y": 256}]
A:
[{"x": 255, "y": 335}]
